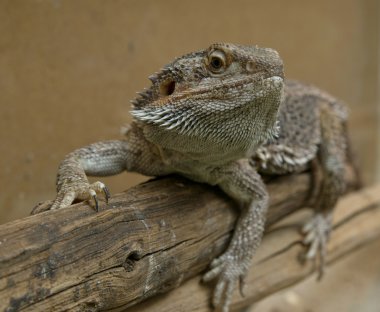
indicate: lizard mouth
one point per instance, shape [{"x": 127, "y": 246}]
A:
[
  {"x": 261, "y": 86},
  {"x": 256, "y": 87},
  {"x": 269, "y": 84}
]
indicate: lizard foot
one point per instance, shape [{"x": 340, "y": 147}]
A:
[
  {"x": 229, "y": 271},
  {"x": 317, "y": 233},
  {"x": 82, "y": 191}
]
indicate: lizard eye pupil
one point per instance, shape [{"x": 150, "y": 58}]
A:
[{"x": 216, "y": 63}]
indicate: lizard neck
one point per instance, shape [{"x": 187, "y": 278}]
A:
[
  {"x": 178, "y": 151},
  {"x": 231, "y": 138}
]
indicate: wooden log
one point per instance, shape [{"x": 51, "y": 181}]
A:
[
  {"x": 275, "y": 266},
  {"x": 147, "y": 240}
]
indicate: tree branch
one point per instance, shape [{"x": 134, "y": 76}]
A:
[{"x": 153, "y": 237}]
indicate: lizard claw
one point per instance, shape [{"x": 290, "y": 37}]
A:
[
  {"x": 317, "y": 232},
  {"x": 96, "y": 201},
  {"x": 106, "y": 192},
  {"x": 241, "y": 285},
  {"x": 81, "y": 190},
  {"x": 103, "y": 189}
]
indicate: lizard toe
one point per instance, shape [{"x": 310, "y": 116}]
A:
[
  {"x": 317, "y": 232},
  {"x": 229, "y": 271}
]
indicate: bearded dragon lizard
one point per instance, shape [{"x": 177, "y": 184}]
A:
[{"x": 223, "y": 116}]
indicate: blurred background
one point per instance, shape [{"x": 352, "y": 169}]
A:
[{"x": 68, "y": 69}]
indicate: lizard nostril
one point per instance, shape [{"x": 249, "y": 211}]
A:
[{"x": 167, "y": 87}]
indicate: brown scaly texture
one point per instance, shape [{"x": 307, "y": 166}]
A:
[{"x": 222, "y": 116}]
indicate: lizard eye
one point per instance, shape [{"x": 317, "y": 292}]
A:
[{"x": 217, "y": 62}]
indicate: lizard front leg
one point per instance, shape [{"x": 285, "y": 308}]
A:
[
  {"x": 245, "y": 185},
  {"x": 105, "y": 158},
  {"x": 98, "y": 159}
]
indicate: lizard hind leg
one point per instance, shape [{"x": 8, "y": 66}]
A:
[{"x": 331, "y": 157}]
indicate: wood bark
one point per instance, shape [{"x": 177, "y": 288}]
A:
[
  {"x": 155, "y": 236},
  {"x": 278, "y": 263}
]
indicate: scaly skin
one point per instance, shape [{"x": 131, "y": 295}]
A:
[{"x": 222, "y": 116}]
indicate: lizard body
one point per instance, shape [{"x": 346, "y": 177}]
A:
[{"x": 223, "y": 116}]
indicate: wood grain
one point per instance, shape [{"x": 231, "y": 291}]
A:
[
  {"x": 150, "y": 239},
  {"x": 356, "y": 223}
]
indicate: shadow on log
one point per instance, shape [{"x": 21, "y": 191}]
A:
[{"x": 155, "y": 236}]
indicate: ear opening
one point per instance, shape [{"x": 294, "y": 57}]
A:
[{"x": 167, "y": 87}]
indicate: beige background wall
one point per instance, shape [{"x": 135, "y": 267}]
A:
[{"x": 69, "y": 68}]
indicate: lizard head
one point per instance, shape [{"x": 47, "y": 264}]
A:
[{"x": 222, "y": 100}]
